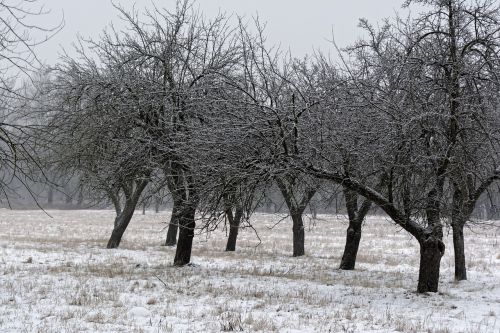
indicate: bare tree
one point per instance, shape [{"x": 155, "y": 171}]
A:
[
  {"x": 417, "y": 82},
  {"x": 94, "y": 129},
  {"x": 181, "y": 51},
  {"x": 18, "y": 63},
  {"x": 277, "y": 96},
  {"x": 385, "y": 139},
  {"x": 459, "y": 44}
]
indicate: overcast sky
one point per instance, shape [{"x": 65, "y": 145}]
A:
[{"x": 298, "y": 25}]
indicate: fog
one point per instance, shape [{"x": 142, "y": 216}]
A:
[{"x": 295, "y": 25}]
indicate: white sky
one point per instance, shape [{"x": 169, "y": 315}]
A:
[{"x": 298, "y": 25}]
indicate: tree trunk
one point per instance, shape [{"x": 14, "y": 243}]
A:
[
  {"x": 50, "y": 196},
  {"x": 298, "y": 234},
  {"x": 296, "y": 208},
  {"x": 186, "y": 235},
  {"x": 356, "y": 218},
  {"x": 462, "y": 210},
  {"x": 173, "y": 226},
  {"x": 123, "y": 216},
  {"x": 157, "y": 204},
  {"x": 231, "y": 239},
  {"x": 458, "y": 248},
  {"x": 234, "y": 226},
  {"x": 431, "y": 251},
  {"x": 79, "y": 201},
  {"x": 351, "y": 245},
  {"x": 121, "y": 223}
]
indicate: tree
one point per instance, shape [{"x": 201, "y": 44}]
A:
[
  {"x": 82, "y": 135},
  {"x": 417, "y": 81},
  {"x": 388, "y": 144},
  {"x": 459, "y": 44},
  {"x": 18, "y": 61},
  {"x": 182, "y": 52},
  {"x": 277, "y": 96},
  {"x": 356, "y": 215}
]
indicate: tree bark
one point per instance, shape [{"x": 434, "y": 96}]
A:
[
  {"x": 462, "y": 209},
  {"x": 186, "y": 235},
  {"x": 296, "y": 208},
  {"x": 173, "y": 226},
  {"x": 123, "y": 216},
  {"x": 354, "y": 230},
  {"x": 351, "y": 246},
  {"x": 459, "y": 250},
  {"x": 431, "y": 251},
  {"x": 431, "y": 244},
  {"x": 121, "y": 223},
  {"x": 234, "y": 226},
  {"x": 298, "y": 234}
]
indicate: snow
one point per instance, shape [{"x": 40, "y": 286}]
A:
[{"x": 57, "y": 276}]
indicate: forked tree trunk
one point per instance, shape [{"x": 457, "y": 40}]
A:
[
  {"x": 182, "y": 186},
  {"x": 186, "y": 234},
  {"x": 123, "y": 216},
  {"x": 298, "y": 233},
  {"x": 121, "y": 223},
  {"x": 353, "y": 236},
  {"x": 431, "y": 244},
  {"x": 173, "y": 226},
  {"x": 234, "y": 226},
  {"x": 431, "y": 251},
  {"x": 296, "y": 208},
  {"x": 459, "y": 250}
]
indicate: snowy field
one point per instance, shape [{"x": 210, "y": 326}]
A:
[{"x": 56, "y": 276}]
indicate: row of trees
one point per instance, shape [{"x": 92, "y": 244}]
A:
[{"x": 407, "y": 121}]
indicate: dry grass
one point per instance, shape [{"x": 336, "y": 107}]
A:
[{"x": 55, "y": 275}]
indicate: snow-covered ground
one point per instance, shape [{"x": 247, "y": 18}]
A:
[{"x": 56, "y": 276}]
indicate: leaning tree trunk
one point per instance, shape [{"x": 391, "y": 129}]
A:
[
  {"x": 186, "y": 234},
  {"x": 431, "y": 251},
  {"x": 351, "y": 245},
  {"x": 298, "y": 233},
  {"x": 353, "y": 236},
  {"x": 123, "y": 216},
  {"x": 234, "y": 226},
  {"x": 121, "y": 223},
  {"x": 173, "y": 226},
  {"x": 458, "y": 248}
]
